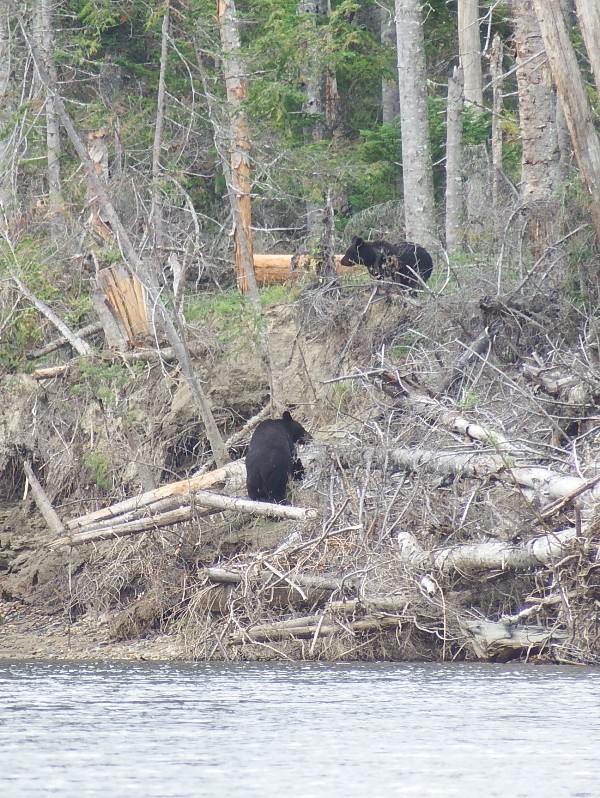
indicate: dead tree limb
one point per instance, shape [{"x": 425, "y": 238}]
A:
[
  {"x": 213, "y": 502},
  {"x": 42, "y": 501},
  {"x": 58, "y": 343},
  {"x": 78, "y": 344}
]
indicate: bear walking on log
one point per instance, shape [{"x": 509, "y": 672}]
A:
[
  {"x": 407, "y": 264},
  {"x": 271, "y": 458}
]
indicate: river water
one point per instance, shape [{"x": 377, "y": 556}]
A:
[{"x": 161, "y": 730}]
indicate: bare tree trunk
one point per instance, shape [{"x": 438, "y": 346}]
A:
[
  {"x": 572, "y": 95},
  {"x": 239, "y": 190},
  {"x": 497, "y": 103},
  {"x": 537, "y": 117},
  {"x": 588, "y": 12},
  {"x": 136, "y": 265},
  {"x": 313, "y": 107},
  {"x": 156, "y": 212},
  {"x": 390, "y": 98},
  {"x": 45, "y": 40},
  {"x": 454, "y": 188},
  {"x": 417, "y": 170},
  {"x": 6, "y": 109},
  {"x": 469, "y": 47}
]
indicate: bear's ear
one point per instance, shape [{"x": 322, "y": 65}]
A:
[
  {"x": 358, "y": 242},
  {"x": 287, "y": 416}
]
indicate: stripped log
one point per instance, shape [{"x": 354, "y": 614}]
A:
[{"x": 271, "y": 269}]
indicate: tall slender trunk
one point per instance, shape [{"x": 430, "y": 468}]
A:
[
  {"x": 313, "y": 107},
  {"x": 45, "y": 40},
  {"x": 239, "y": 190},
  {"x": 6, "y": 198},
  {"x": 156, "y": 211},
  {"x": 496, "y": 53},
  {"x": 469, "y": 47},
  {"x": 454, "y": 187},
  {"x": 572, "y": 95},
  {"x": 390, "y": 99},
  {"x": 417, "y": 170}
]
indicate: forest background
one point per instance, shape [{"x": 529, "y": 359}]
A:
[{"x": 176, "y": 180}]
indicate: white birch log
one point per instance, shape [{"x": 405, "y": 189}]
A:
[{"x": 490, "y": 555}]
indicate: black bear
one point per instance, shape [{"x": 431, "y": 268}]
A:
[
  {"x": 271, "y": 458},
  {"x": 407, "y": 264}
]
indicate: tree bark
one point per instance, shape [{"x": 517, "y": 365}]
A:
[
  {"x": 469, "y": 46},
  {"x": 239, "y": 190},
  {"x": 496, "y": 55},
  {"x": 572, "y": 95},
  {"x": 454, "y": 187},
  {"x": 537, "y": 118},
  {"x": 417, "y": 170},
  {"x": 390, "y": 98},
  {"x": 588, "y": 12}
]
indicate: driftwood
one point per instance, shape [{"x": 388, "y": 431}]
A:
[
  {"x": 183, "y": 486},
  {"x": 314, "y": 626},
  {"x": 504, "y": 639},
  {"x": 490, "y": 555}
]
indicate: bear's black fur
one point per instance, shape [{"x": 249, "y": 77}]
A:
[
  {"x": 407, "y": 264},
  {"x": 271, "y": 458}
]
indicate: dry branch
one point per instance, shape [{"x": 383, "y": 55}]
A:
[
  {"x": 78, "y": 344},
  {"x": 52, "y": 346}
]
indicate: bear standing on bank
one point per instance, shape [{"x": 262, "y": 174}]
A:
[
  {"x": 407, "y": 264},
  {"x": 271, "y": 458}
]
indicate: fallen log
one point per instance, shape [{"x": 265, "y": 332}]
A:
[
  {"x": 42, "y": 501},
  {"x": 211, "y": 501},
  {"x": 144, "y": 500},
  {"x": 490, "y": 555},
  {"x": 503, "y": 640},
  {"x": 312, "y": 626},
  {"x": 273, "y": 268}
]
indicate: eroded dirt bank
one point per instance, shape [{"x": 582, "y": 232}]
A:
[{"x": 451, "y": 475}]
